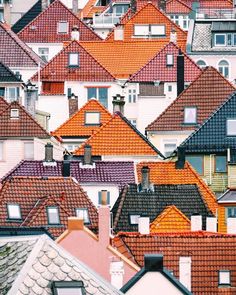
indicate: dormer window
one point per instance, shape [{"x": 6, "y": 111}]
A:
[
  {"x": 14, "y": 211},
  {"x": 158, "y": 30},
  {"x": 73, "y": 59},
  {"x": 62, "y": 27},
  {"x": 231, "y": 127},
  {"x": 14, "y": 114},
  {"x": 220, "y": 39},
  {"x": 68, "y": 288},
  {"x": 149, "y": 30},
  {"x": 92, "y": 118},
  {"x": 53, "y": 215},
  {"x": 224, "y": 277},
  {"x": 170, "y": 59},
  {"x": 82, "y": 213},
  {"x": 190, "y": 115},
  {"x": 133, "y": 219}
]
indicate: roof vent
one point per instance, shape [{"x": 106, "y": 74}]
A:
[
  {"x": 33, "y": 28},
  {"x": 75, "y": 35}
]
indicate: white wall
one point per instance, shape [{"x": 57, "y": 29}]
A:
[
  {"x": 26, "y": 73},
  {"x": 39, "y": 149},
  {"x": 153, "y": 283},
  {"x": 19, "y": 8},
  {"x": 53, "y": 48}
]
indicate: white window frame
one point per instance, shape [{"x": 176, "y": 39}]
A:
[
  {"x": 1, "y": 151},
  {"x": 14, "y": 207},
  {"x": 138, "y": 27},
  {"x": 56, "y": 209},
  {"x": 224, "y": 277},
  {"x": 132, "y": 96},
  {"x": 228, "y": 127},
  {"x": 29, "y": 155},
  {"x": 133, "y": 122},
  {"x": 92, "y": 118},
  {"x": 185, "y": 114},
  {"x": 219, "y": 45},
  {"x": 161, "y": 33},
  {"x": 44, "y": 56},
  {"x": 73, "y": 59},
  {"x": 224, "y": 67},
  {"x": 10, "y": 99},
  {"x": 14, "y": 113},
  {"x": 133, "y": 218},
  {"x": 83, "y": 214},
  {"x": 201, "y": 66},
  {"x": 61, "y": 31},
  {"x": 170, "y": 59}
]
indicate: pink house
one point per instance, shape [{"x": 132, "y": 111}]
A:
[{"x": 96, "y": 251}]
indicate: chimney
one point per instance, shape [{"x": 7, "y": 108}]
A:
[
  {"x": 104, "y": 222},
  {"x": 143, "y": 225},
  {"x": 211, "y": 224},
  {"x": 162, "y": 5},
  {"x": 104, "y": 198},
  {"x": 87, "y": 155},
  {"x": 231, "y": 225},
  {"x": 133, "y": 6},
  {"x": 180, "y": 72},
  {"x": 7, "y": 12},
  {"x": 117, "y": 273},
  {"x": 75, "y": 223},
  {"x": 45, "y": 4},
  {"x": 118, "y": 103},
  {"x": 75, "y": 34},
  {"x": 119, "y": 32},
  {"x": 196, "y": 222},
  {"x": 66, "y": 168},
  {"x": 75, "y": 6},
  {"x": 153, "y": 262},
  {"x": 179, "y": 164},
  {"x": 49, "y": 152},
  {"x": 145, "y": 181},
  {"x": 173, "y": 36},
  {"x": 185, "y": 271}
]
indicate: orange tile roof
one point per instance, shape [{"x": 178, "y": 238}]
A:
[
  {"x": 123, "y": 59},
  {"x": 119, "y": 137},
  {"x": 75, "y": 125},
  {"x": 90, "y": 8},
  {"x": 166, "y": 173},
  {"x": 149, "y": 14},
  {"x": 171, "y": 219}
]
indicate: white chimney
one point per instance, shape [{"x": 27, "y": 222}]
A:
[
  {"x": 173, "y": 36},
  {"x": 75, "y": 5},
  {"x": 119, "y": 33},
  {"x": 231, "y": 225},
  {"x": 143, "y": 225},
  {"x": 211, "y": 224},
  {"x": 185, "y": 271},
  {"x": 196, "y": 222},
  {"x": 75, "y": 34},
  {"x": 117, "y": 273}
]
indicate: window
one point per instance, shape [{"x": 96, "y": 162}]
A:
[
  {"x": 1, "y": 15},
  {"x": 43, "y": 53},
  {"x": 68, "y": 288},
  {"x": 196, "y": 162},
  {"x": 99, "y": 93},
  {"x": 53, "y": 215},
  {"x": 201, "y": 64},
  {"x": 170, "y": 59},
  {"x": 175, "y": 19},
  {"x": 1, "y": 150},
  {"x": 230, "y": 212},
  {"x": 28, "y": 150},
  {"x": 120, "y": 9},
  {"x": 92, "y": 118},
  {"x": 133, "y": 122},
  {"x": 190, "y": 115},
  {"x": 231, "y": 127},
  {"x": 223, "y": 68},
  {"x": 13, "y": 211},
  {"x": 185, "y": 22},
  {"x": 220, "y": 163},
  {"x": 169, "y": 148},
  {"x": 132, "y": 96},
  {"x": 158, "y": 30},
  {"x": 147, "y": 30},
  {"x": 14, "y": 114},
  {"x": 73, "y": 59},
  {"x": 169, "y": 88},
  {"x": 13, "y": 93},
  {"x": 83, "y": 214},
  {"x": 141, "y": 30},
  {"x": 220, "y": 39},
  {"x": 224, "y": 277},
  {"x": 133, "y": 218},
  {"x": 62, "y": 27}
]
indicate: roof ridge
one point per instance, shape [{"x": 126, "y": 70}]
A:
[{"x": 121, "y": 200}]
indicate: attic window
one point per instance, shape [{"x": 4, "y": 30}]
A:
[
  {"x": 53, "y": 215},
  {"x": 14, "y": 114},
  {"x": 231, "y": 127},
  {"x": 133, "y": 218},
  {"x": 170, "y": 59},
  {"x": 224, "y": 277},
  {"x": 83, "y": 214},
  {"x": 62, "y": 27},
  {"x": 190, "y": 115},
  {"x": 92, "y": 118},
  {"x": 13, "y": 211},
  {"x": 68, "y": 288},
  {"x": 73, "y": 59},
  {"x": 158, "y": 30},
  {"x": 149, "y": 30}
]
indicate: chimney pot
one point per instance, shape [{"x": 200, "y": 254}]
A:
[
  {"x": 143, "y": 225},
  {"x": 145, "y": 182},
  {"x": 87, "y": 155},
  {"x": 49, "y": 152},
  {"x": 173, "y": 36},
  {"x": 118, "y": 103},
  {"x": 104, "y": 198},
  {"x": 196, "y": 222},
  {"x": 75, "y": 34},
  {"x": 75, "y": 223}
]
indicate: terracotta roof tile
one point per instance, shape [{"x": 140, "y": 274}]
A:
[
  {"x": 119, "y": 137},
  {"x": 75, "y": 125},
  {"x": 207, "y": 93},
  {"x": 166, "y": 173},
  {"x": 220, "y": 4},
  {"x": 58, "y": 70},
  {"x": 177, "y": 6},
  {"x": 23, "y": 126},
  {"x": 90, "y": 8},
  {"x": 45, "y": 26},
  {"x": 209, "y": 252},
  {"x": 170, "y": 220},
  {"x": 35, "y": 194},
  {"x": 157, "y": 70},
  {"x": 3, "y": 104},
  {"x": 149, "y": 14}
]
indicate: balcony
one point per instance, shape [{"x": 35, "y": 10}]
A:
[
  {"x": 209, "y": 13},
  {"x": 106, "y": 20}
]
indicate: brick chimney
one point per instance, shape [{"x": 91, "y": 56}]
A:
[
  {"x": 49, "y": 152},
  {"x": 145, "y": 181},
  {"x": 104, "y": 221},
  {"x": 87, "y": 155}
]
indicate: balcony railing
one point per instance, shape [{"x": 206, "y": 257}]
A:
[
  {"x": 209, "y": 13},
  {"x": 106, "y": 19}
]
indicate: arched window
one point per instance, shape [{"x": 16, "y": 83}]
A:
[
  {"x": 223, "y": 68},
  {"x": 201, "y": 63}
]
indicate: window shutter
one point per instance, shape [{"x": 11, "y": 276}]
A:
[{"x": 99, "y": 198}]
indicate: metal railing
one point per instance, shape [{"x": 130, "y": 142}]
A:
[
  {"x": 106, "y": 19},
  {"x": 209, "y": 13}
]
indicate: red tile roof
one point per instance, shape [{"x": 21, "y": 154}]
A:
[
  {"x": 166, "y": 173},
  {"x": 207, "y": 93},
  {"x": 35, "y": 194},
  {"x": 220, "y": 4},
  {"x": 43, "y": 29},
  {"x": 24, "y": 126},
  {"x": 58, "y": 70},
  {"x": 14, "y": 52},
  {"x": 157, "y": 70},
  {"x": 118, "y": 137},
  {"x": 75, "y": 125},
  {"x": 3, "y": 104},
  {"x": 209, "y": 252},
  {"x": 178, "y": 7},
  {"x": 149, "y": 14}
]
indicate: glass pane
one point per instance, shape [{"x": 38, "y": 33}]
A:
[
  {"x": 170, "y": 59},
  {"x": 14, "y": 211},
  {"x": 73, "y": 59},
  {"x": 219, "y": 39},
  {"x": 169, "y": 148},
  {"x": 134, "y": 219},
  {"x": 190, "y": 115},
  {"x": 224, "y": 277},
  {"x": 12, "y": 93},
  {"x": 102, "y": 92},
  {"x": 141, "y": 30},
  {"x": 92, "y": 93},
  {"x": 220, "y": 163},
  {"x": 158, "y": 30},
  {"x": 28, "y": 150},
  {"x": 231, "y": 212},
  {"x": 53, "y": 216},
  {"x": 196, "y": 162},
  {"x": 92, "y": 118},
  {"x": 69, "y": 291},
  {"x": 62, "y": 27},
  {"x": 231, "y": 127},
  {"x": 83, "y": 214},
  {"x": 229, "y": 39},
  {"x": 2, "y": 91}
]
